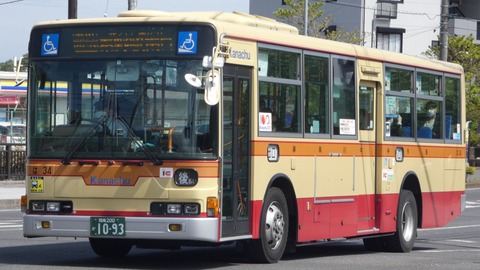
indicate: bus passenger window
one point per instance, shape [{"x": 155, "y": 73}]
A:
[
  {"x": 398, "y": 116},
  {"x": 344, "y": 109},
  {"x": 317, "y": 95}
]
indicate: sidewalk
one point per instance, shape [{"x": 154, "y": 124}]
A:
[{"x": 10, "y": 193}]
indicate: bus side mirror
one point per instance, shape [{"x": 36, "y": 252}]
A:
[{"x": 212, "y": 87}]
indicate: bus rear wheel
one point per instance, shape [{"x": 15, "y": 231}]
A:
[
  {"x": 110, "y": 248},
  {"x": 407, "y": 221},
  {"x": 273, "y": 229}
]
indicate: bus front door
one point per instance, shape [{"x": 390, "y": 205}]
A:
[
  {"x": 236, "y": 161},
  {"x": 366, "y": 161}
]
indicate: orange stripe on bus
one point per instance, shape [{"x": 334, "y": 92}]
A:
[{"x": 259, "y": 148}]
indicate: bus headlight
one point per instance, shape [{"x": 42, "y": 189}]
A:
[
  {"x": 174, "y": 209},
  {"x": 191, "y": 209},
  {"x": 38, "y": 206},
  {"x": 59, "y": 207},
  {"x": 53, "y": 206}
]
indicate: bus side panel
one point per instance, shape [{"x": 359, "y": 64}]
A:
[
  {"x": 313, "y": 220},
  {"x": 256, "y": 210},
  {"x": 439, "y": 208},
  {"x": 366, "y": 212},
  {"x": 386, "y": 211},
  {"x": 343, "y": 219}
]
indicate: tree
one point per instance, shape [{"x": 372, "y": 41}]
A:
[
  {"x": 463, "y": 51},
  {"x": 317, "y": 27},
  {"x": 9, "y": 64}
]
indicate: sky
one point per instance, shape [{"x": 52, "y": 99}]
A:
[{"x": 17, "y": 17}]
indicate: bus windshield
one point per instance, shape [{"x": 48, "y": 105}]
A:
[{"x": 119, "y": 109}]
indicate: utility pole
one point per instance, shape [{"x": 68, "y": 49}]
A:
[
  {"x": 305, "y": 19},
  {"x": 132, "y": 4},
  {"x": 72, "y": 9},
  {"x": 444, "y": 31}
]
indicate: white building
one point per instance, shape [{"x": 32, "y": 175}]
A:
[{"x": 407, "y": 26}]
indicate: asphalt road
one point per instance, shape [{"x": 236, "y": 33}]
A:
[{"x": 456, "y": 246}]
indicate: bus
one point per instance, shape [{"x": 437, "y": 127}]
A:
[{"x": 163, "y": 130}]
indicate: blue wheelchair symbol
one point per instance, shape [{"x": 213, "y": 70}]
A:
[
  {"x": 50, "y": 44},
  {"x": 187, "y": 42}
]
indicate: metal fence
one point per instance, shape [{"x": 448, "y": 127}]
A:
[{"x": 13, "y": 159}]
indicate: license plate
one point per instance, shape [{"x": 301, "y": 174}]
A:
[{"x": 107, "y": 226}]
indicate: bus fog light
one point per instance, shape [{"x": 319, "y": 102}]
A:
[
  {"x": 46, "y": 224},
  {"x": 38, "y": 206},
  {"x": 175, "y": 227},
  {"x": 174, "y": 209},
  {"x": 53, "y": 206},
  {"x": 191, "y": 209}
]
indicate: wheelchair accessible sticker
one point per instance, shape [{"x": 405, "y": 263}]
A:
[
  {"x": 187, "y": 42},
  {"x": 50, "y": 44}
]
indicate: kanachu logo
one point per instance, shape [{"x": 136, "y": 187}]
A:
[{"x": 110, "y": 181}]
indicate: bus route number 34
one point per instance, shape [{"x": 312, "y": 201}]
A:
[{"x": 107, "y": 226}]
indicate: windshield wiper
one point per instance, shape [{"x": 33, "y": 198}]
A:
[{"x": 88, "y": 134}]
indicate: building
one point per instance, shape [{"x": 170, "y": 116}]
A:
[
  {"x": 465, "y": 18},
  {"x": 407, "y": 26},
  {"x": 13, "y": 96}
]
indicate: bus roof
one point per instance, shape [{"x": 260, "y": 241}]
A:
[{"x": 243, "y": 26}]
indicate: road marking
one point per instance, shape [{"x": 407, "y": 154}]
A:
[
  {"x": 473, "y": 204},
  {"x": 9, "y": 225},
  {"x": 449, "y": 250},
  {"x": 461, "y": 241},
  {"x": 451, "y": 228}
]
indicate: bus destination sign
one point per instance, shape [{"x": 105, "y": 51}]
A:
[{"x": 122, "y": 40}]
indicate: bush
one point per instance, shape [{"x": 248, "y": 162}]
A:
[{"x": 470, "y": 170}]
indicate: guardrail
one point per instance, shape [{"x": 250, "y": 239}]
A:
[{"x": 13, "y": 159}]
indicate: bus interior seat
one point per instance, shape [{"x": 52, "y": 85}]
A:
[
  {"x": 448, "y": 126},
  {"x": 407, "y": 131},
  {"x": 424, "y": 132}
]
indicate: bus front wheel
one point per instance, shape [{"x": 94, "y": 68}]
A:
[
  {"x": 110, "y": 248},
  {"x": 407, "y": 220},
  {"x": 273, "y": 229}
]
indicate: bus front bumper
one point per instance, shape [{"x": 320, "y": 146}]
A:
[{"x": 196, "y": 229}]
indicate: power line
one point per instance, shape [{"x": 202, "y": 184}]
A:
[{"x": 10, "y": 2}]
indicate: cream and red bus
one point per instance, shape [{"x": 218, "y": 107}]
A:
[{"x": 158, "y": 129}]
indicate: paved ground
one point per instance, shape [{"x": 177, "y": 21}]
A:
[{"x": 10, "y": 193}]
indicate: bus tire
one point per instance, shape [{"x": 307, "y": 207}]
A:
[
  {"x": 273, "y": 229},
  {"x": 110, "y": 248},
  {"x": 406, "y": 224}
]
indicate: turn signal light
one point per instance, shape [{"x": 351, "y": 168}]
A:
[
  {"x": 212, "y": 207},
  {"x": 23, "y": 203}
]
